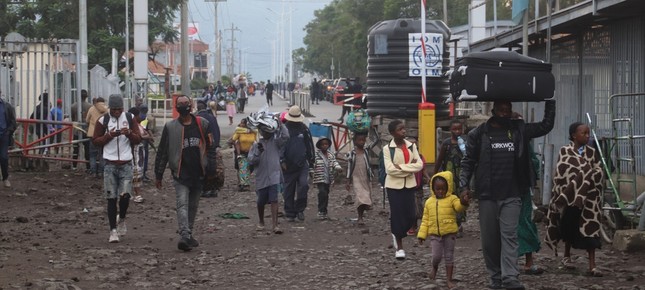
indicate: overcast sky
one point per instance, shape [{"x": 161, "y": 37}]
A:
[{"x": 254, "y": 20}]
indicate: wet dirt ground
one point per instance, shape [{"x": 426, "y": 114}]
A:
[{"x": 54, "y": 235}]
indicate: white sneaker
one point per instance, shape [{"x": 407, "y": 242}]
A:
[
  {"x": 114, "y": 237},
  {"x": 121, "y": 227},
  {"x": 7, "y": 183},
  {"x": 400, "y": 254}
]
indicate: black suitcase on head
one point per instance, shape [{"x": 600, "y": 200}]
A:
[{"x": 501, "y": 75}]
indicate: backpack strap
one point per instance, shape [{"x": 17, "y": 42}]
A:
[
  {"x": 128, "y": 116},
  {"x": 106, "y": 120},
  {"x": 382, "y": 174},
  {"x": 199, "y": 125}
]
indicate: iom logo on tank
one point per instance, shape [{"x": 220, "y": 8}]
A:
[{"x": 434, "y": 54}]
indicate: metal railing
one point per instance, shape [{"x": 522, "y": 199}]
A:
[
  {"x": 300, "y": 98},
  {"x": 32, "y": 146}
]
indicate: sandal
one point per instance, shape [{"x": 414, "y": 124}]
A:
[
  {"x": 533, "y": 270},
  {"x": 595, "y": 272},
  {"x": 277, "y": 231},
  {"x": 567, "y": 264},
  {"x": 138, "y": 199}
]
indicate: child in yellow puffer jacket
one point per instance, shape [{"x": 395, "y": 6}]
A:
[{"x": 440, "y": 222}]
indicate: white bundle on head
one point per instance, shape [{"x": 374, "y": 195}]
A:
[
  {"x": 263, "y": 121},
  {"x": 239, "y": 80}
]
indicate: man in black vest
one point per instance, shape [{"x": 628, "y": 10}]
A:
[{"x": 497, "y": 153}]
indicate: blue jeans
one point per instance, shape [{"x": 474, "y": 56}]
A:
[
  {"x": 296, "y": 187},
  {"x": 117, "y": 180},
  {"x": 94, "y": 153},
  {"x": 498, "y": 221},
  {"x": 187, "y": 203},
  {"x": 323, "y": 197}
]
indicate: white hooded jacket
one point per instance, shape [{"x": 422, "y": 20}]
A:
[{"x": 120, "y": 147}]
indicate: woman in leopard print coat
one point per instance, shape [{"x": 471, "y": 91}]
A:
[{"x": 574, "y": 210}]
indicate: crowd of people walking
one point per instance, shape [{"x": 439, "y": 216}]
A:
[{"x": 493, "y": 164}]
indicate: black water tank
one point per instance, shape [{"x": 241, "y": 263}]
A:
[{"x": 391, "y": 90}]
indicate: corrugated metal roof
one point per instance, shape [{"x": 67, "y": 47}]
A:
[{"x": 569, "y": 20}]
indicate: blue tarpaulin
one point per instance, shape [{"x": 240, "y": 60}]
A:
[{"x": 518, "y": 10}]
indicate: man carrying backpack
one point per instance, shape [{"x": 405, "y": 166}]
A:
[
  {"x": 298, "y": 156},
  {"x": 116, "y": 133}
]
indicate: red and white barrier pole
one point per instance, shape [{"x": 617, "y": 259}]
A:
[{"x": 423, "y": 45}]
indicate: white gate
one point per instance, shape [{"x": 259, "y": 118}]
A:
[{"x": 30, "y": 67}]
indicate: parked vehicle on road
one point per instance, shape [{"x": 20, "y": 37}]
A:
[
  {"x": 340, "y": 87},
  {"x": 328, "y": 89}
]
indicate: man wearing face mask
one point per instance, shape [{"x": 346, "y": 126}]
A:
[
  {"x": 497, "y": 154},
  {"x": 187, "y": 147}
]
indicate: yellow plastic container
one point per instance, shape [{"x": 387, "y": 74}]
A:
[{"x": 427, "y": 128}]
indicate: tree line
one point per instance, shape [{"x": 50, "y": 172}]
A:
[{"x": 105, "y": 23}]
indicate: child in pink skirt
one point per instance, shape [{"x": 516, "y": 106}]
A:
[{"x": 231, "y": 97}]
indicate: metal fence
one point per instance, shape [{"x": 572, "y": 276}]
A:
[
  {"x": 31, "y": 69},
  {"x": 589, "y": 67}
]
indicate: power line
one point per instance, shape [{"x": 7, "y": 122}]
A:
[
  {"x": 192, "y": 20},
  {"x": 198, "y": 12}
]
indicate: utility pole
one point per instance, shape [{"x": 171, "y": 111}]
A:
[
  {"x": 127, "y": 49},
  {"x": 218, "y": 49},
  {"x": 82, "y": 31},
  {"x": 140, "y": 48},
  {"x": 232, "y": 54},
  {"x": 218, "y": 56},
  {"x": 218, "y": 44},
  {"x": 445, "y": 11},
  {"x": 290, "y": 72},
  {"x": 185, "y": 64},
  {"x": 229, "y": 71}
]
